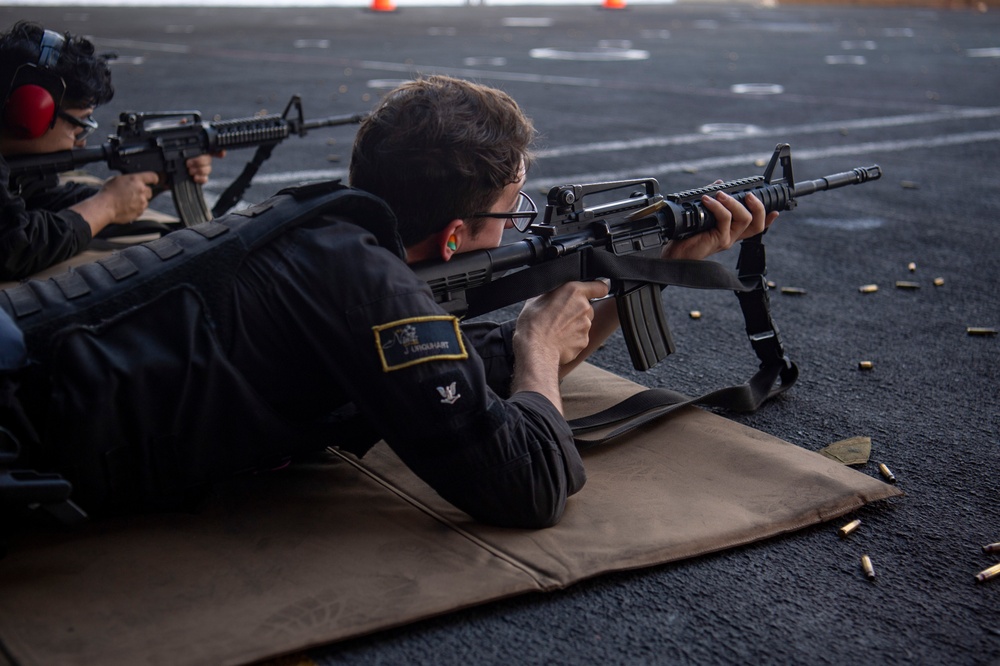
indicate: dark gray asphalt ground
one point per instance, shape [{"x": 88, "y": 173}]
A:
[{"x": 914, "y": 90}]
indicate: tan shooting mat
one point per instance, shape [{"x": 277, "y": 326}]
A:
[{"x": 284, "y": 561}]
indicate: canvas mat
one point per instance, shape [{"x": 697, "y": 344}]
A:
[{"x": 281, "y": 562}]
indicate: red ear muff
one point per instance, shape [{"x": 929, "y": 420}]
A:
[
  {"x": 36, "y": 92},
  {"x": 29, "y": 111}
]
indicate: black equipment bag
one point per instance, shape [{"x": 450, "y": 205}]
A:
[{"x": 129, "y": 388}]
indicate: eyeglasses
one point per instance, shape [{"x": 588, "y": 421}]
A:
[
  {"x": 521, "y": 217},
  {"x": 88, "y": 124}
]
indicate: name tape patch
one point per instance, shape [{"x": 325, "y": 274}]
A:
[{"x": 417, "y": 340}]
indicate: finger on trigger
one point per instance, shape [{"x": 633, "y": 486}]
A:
[{"x": 607, "y": 288}]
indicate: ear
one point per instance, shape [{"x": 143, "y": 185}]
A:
[
  {"x": 435, "y": 246},
  {"x": 449, "y": 240}
]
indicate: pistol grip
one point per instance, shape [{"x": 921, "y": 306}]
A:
[{"x": 647, "y": 336}]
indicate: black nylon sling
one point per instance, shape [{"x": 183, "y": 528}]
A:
[{"x": 748, "y": 283}]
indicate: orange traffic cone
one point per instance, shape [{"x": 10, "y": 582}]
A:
[
  {"x": 383, "y": 6},
  {"x": 614, "y": 4}
]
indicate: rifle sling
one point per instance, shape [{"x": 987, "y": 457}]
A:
[
  {"x": 652, "y": 404},
  {"x": 590, "y": 265},
  {"x": 750, "y": 288},
  {"x": 232, "y": 194}
]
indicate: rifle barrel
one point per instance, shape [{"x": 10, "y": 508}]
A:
[
  {"x": 852, "y": 177},
  {"x": 330, "y": 121}
]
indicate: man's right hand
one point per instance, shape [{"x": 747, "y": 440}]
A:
[
  {"x": 128, "y": 195},
  {"x": 551, "y": 331},
  {"x": 121, "y": 200}
]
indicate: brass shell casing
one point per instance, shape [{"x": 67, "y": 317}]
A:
[
  {"x": 849, "y": 527},
  {"x": 866, "y": 565}
]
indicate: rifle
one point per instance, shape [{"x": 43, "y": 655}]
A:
[
  {"x": 164, "y": 141},
  {"x": 621, "y": 240}
]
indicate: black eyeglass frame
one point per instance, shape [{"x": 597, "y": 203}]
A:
[
  {"x": 88, "y": 124},
  {"x": 521, "y": 219}
]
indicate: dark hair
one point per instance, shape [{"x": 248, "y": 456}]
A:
[
  {"x": 439, "y": 148},
  {"x": 86, "y": 75}
]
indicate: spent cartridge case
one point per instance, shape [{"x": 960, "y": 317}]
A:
[
  {"x": 695, "y": 314},
  {"x": 868, "y": 288},
  {"x": 866, "y": 566},
  {"x": 795, "y": 291},
  {"x": 889, "y": 476},
  {"x": 938, "y": 281},
  {"x": 978, "y": 330},
  {"x": 848, "y": 528},
  {"x": 992, "y": 548},
  {"x": 903, "y": 284},
  {"x": 865, "y": 365},
  {"x": 987, "y": 574}
]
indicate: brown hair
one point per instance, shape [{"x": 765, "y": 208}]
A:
[{"x": 440, "y": 148}]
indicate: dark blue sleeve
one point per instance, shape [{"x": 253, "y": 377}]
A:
[
  {"x": 506, "y": 462},
  {"x": 494, "y": 344},
  {"x": 32, "y": 240}
]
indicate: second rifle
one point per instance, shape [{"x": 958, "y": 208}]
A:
[{"x": 164, "y": 141}]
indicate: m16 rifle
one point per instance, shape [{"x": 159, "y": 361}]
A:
[
  {"x": 164, "y": 141},
  {"x": 621, "y": 240}
]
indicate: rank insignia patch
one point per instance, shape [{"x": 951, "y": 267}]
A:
[{"x": 410, "y": 341}]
